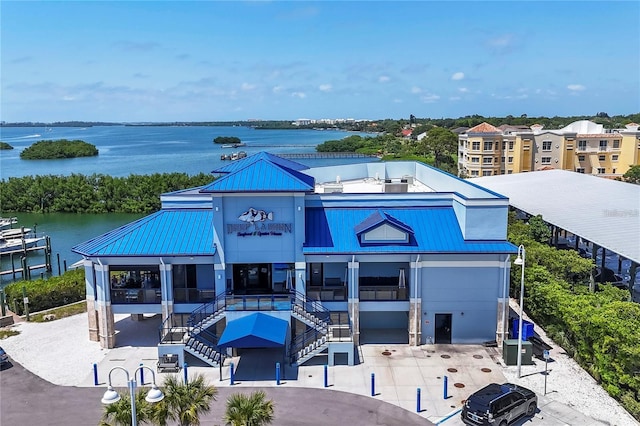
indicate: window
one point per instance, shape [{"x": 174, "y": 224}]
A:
[
  {"x": 509, "y": 172},
  {"x": 602, "y": 157},
  {"x": 603, "y": 145},
  {"x": 474, "y": 173},
  {"x": 487, "y": 160},
  {"x": 501, "y": 172},
  {"x": 581, "y": 157},
  {"x": 546, "y": 145},
  {"x": 475, "y": 159},
  {"x": 601, "y": 170},
  {"x": 616, "y": 144},
  {"x": 502, "y": 159},
  {"x": 613, "y": 171},
  {"x": 546, "y": 160},
  {"x": 504, "y": 146},
  {"x": 475, "y": 146},
  {"x": 582, "y": 145},
  {"x": 486, "y": 173},
  {"x": 614, "y": 158},
  {"x": 488, "y": 146},
  {"x": 510, "y": 145},
  {"x": 510, "y": 160},
  {"x": 580, "y": 169}
]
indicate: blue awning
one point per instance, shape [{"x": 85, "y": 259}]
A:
[{"x": 254, "y": 331}]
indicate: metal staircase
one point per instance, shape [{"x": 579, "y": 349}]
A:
[{"x": 323, "y": 326}]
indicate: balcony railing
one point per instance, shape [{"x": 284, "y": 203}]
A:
[
  {"x": 135, "y": 295},
  {"x": 383, "y": 293},
  {"x": 193, "y": 295}
]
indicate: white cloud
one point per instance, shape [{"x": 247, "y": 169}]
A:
[
  {"x": 429, "y": 98},
  {"x": 397, "y": 101},
  {"x": 576, "y": 87},
  {"x": 463, "y": 90},
  {"x": 246, "y": 86},
  {"x": 383, "y": 79},
  {"x": 68, "y": 98},
  {"x": 457, "y": 76},
  {"x": 325, "y": 87},
  {"x": 416, "y": 89},
  {"x": 454, "y": 98},
  {"x": 277, "y": 89},
  {"x": 299, "y": 95}
]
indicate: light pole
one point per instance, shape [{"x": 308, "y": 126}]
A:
[
  {"x": 154, "y": 395},
  {"x": 520, "y": 261}
]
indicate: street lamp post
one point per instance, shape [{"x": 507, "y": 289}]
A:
[
  {"x": 520, "y": 261},
  {"x": 154, "y": 394}
]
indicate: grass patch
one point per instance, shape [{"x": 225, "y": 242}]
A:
[
  {"x": 8, "y": 333},
  {"x": 61, "y": 312}
]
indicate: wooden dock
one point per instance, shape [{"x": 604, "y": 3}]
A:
[{"x": 325, "y": 155}]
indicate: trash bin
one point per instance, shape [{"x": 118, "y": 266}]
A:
[
  {"x": 527, "y": 329},
  {"x": 510, "y": 352}
]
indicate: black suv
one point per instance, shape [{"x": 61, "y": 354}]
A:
[{"x": 497, "y": 404}]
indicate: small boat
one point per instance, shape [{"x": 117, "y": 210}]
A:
[
  {"x": 234, "y": 145},
  {"x": 12, "y": 234},
  {"x": 17, "y": 245},
  {"x": 7, "y": 222}
]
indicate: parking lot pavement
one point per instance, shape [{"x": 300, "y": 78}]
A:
[{"x": 399, "y": 370}]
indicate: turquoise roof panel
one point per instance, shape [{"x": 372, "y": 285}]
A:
[
  {"x": 435, "y": 230},
  {"x": 244, "y": 162},
  {"x": 262, "y": 176},
  {"x": 164, "y": 233}
]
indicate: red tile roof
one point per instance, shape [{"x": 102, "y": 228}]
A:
[{"x": 484, "y": 128}]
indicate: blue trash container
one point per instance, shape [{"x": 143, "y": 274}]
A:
[{"x": 527, "y": 329}]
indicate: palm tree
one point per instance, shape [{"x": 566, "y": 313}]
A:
[
  {"x": 119, "y": 413},
  {"x": 252, "y": 410},
  {"x": 184, "y": 403}
]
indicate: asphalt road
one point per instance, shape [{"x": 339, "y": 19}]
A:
[{"x": 26, "y": 399}]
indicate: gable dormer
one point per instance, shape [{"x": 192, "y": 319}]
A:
[{"x": 381, "y": 228}]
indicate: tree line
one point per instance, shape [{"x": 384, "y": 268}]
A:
[
  {"x": 439, "y": 148},
  {"x": 96, "y": 193},
  {"x": 600, "y": 330}
]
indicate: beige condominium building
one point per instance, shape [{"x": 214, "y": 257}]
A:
[{"x": 582, "y": 146}]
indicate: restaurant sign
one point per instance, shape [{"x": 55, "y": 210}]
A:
[{"x": 258, "y": 223}]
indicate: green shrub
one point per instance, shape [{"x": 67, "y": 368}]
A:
[
  {"x": 47, "y": 293},
  {"x": 600, "y": 330}
]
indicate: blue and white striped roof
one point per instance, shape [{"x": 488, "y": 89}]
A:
[
  {"x": 164, "y": 233},
  {"x": 435, "y": 230}
]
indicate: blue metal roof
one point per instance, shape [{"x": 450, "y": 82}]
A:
[
  {"x": 262, "y": 175},
  {"x": 244, "y": 162},
  {"x": 254, "y": 331},
  {"x": 377, "y": 218},
  {"x": 164, "y": 233},
  {"x": 435, "y": 230}
]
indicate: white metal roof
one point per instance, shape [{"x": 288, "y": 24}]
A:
[{"x": 603, "y": 211}]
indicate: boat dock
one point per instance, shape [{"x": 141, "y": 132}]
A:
[{"x": 325, "y": 155}]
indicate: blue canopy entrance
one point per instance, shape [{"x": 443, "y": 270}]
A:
[{"x": 256, "y": 330}]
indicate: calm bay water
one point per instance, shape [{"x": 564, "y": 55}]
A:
[{"x": 125, "y": 150}]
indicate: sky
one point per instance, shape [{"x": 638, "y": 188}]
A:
[{"x": 145, "y": 61}]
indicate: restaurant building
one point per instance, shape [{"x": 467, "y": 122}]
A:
[{"x": 313, "y": 260}]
